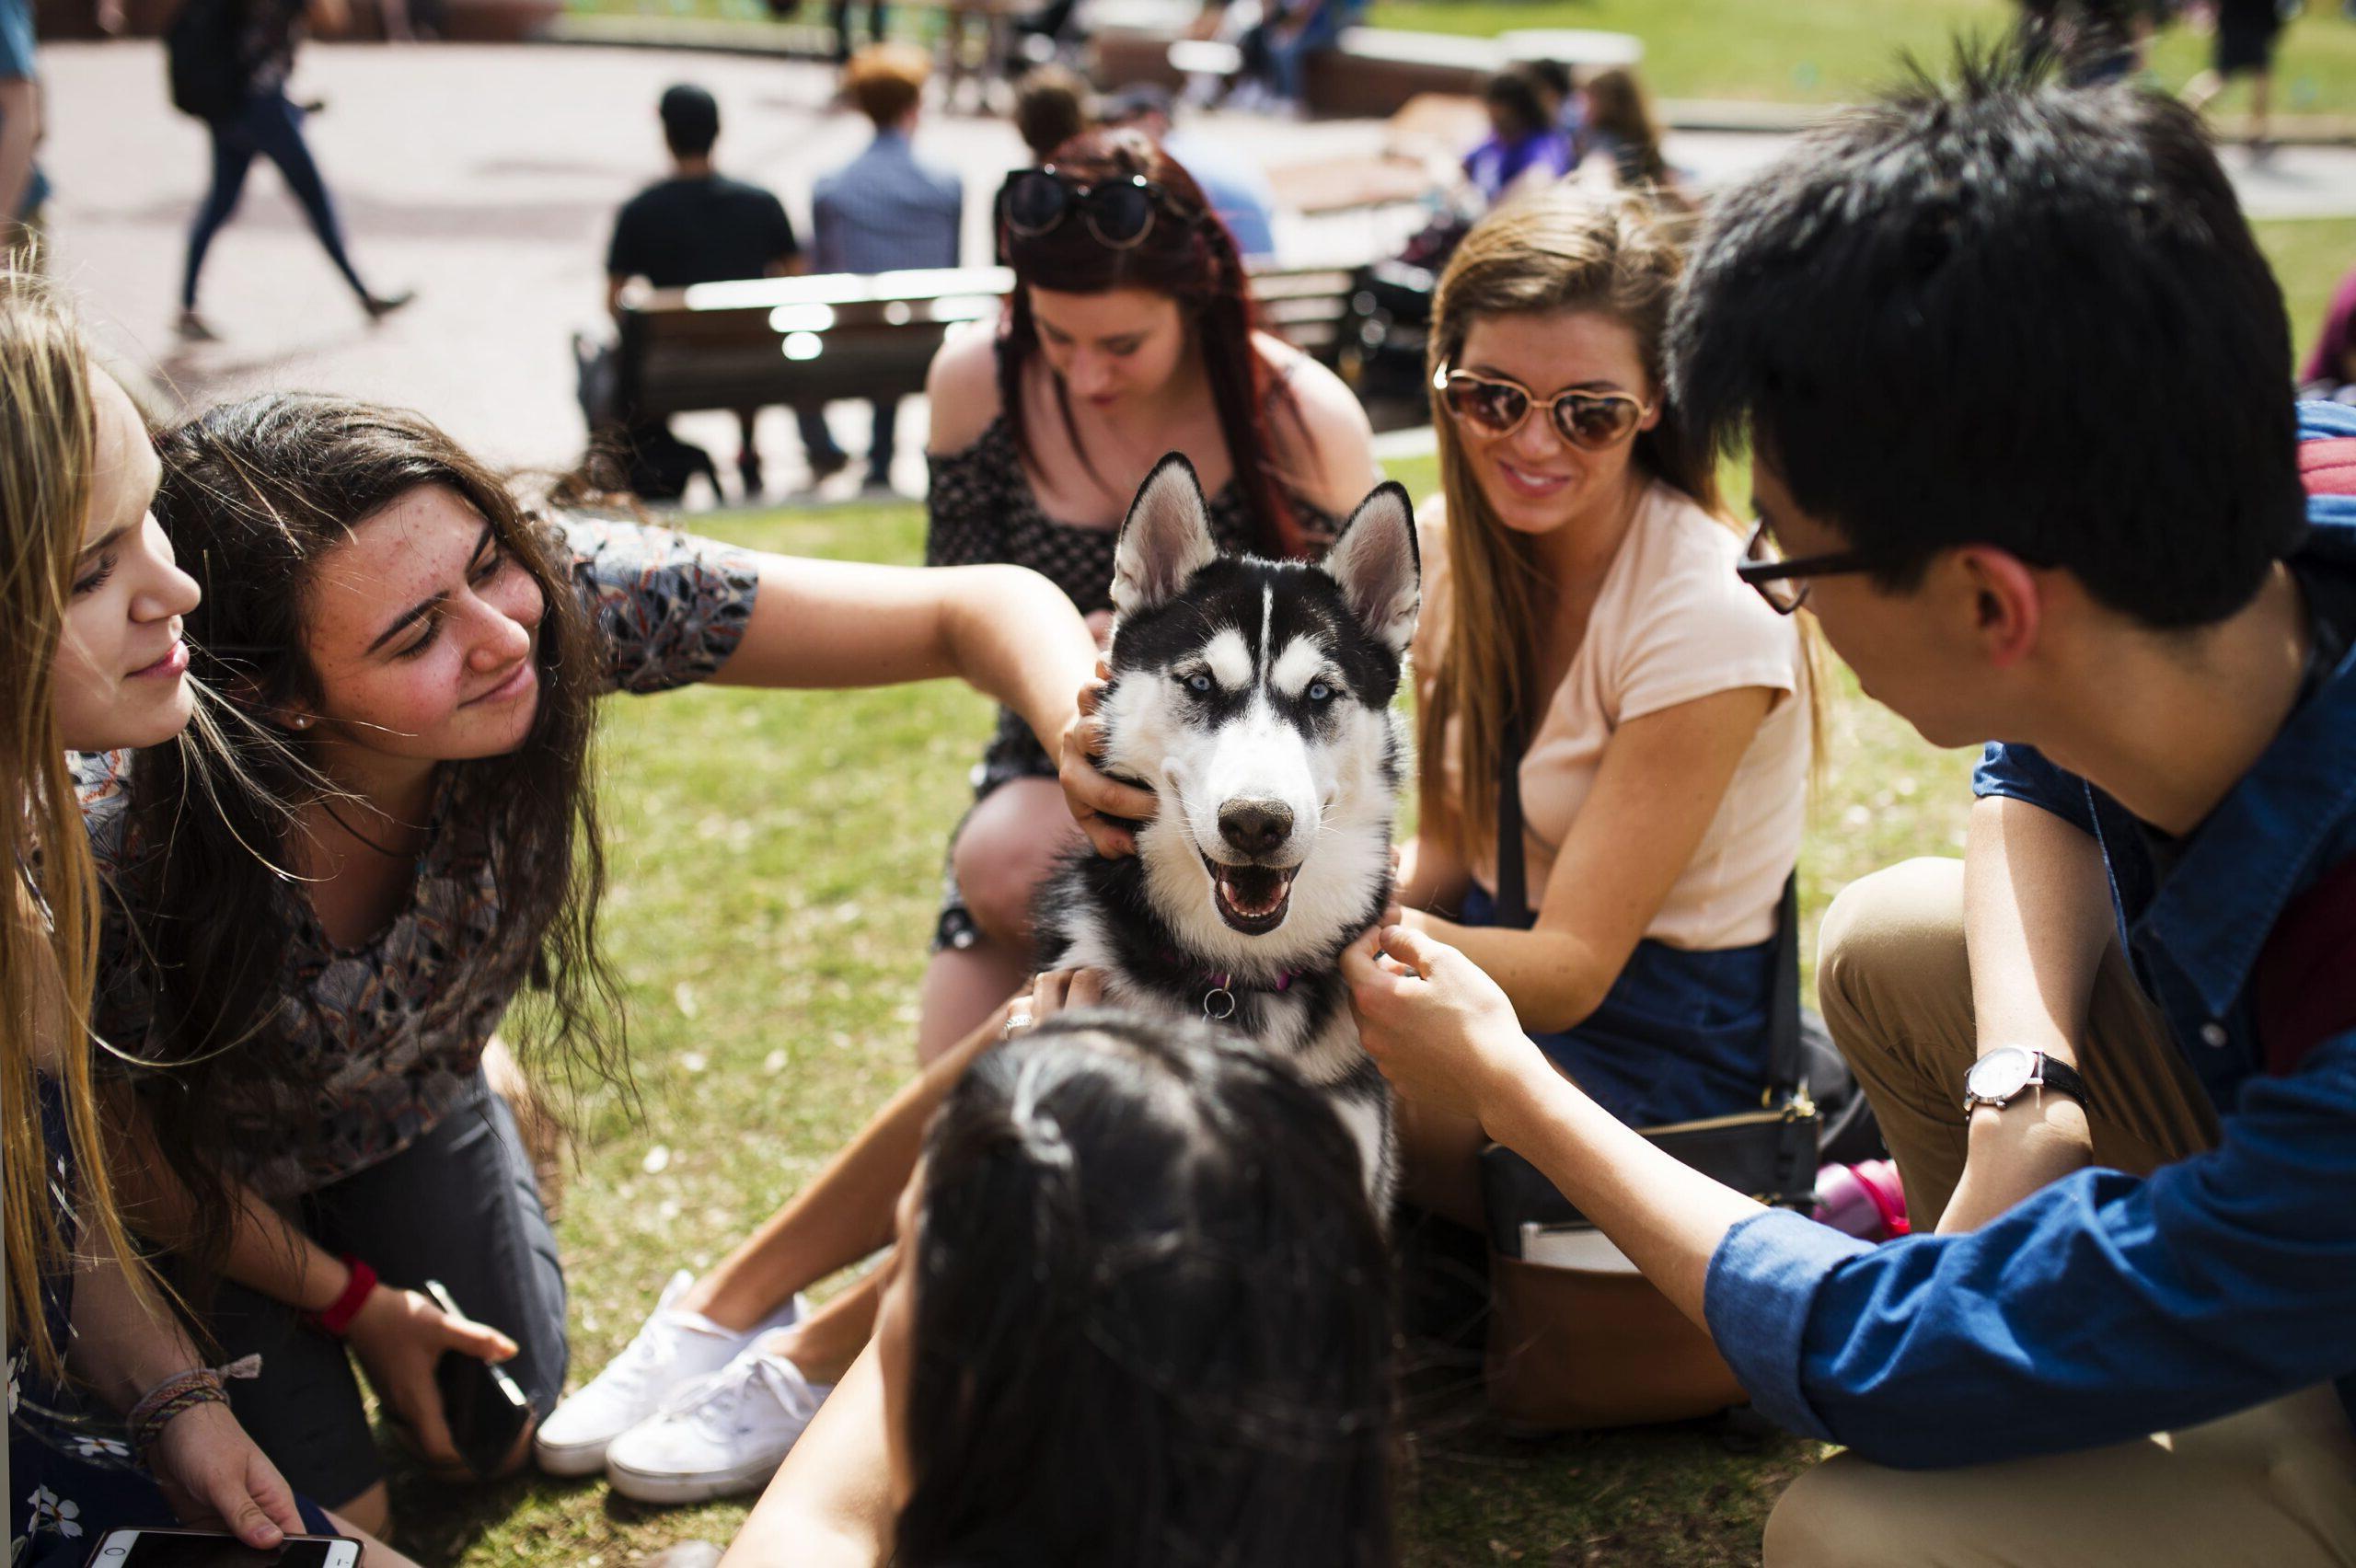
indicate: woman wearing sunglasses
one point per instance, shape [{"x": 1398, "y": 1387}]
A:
[
  {"x": 1128, "y": 335},
  {"x": 1582, "y": 613}
]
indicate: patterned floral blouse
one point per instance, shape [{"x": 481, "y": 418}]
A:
[{"x": 397, "y": 1025}]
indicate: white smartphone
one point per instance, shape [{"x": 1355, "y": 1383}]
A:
[{"x": 210, "y": 1548}]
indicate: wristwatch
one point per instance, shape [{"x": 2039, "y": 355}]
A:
[{"x": 2003, "y": 1073}]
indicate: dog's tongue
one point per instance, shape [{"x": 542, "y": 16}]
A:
[{"x": 1253, "y": 890}]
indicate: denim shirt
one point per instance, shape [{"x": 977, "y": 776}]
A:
[{"x": 2108, "y": 1306}]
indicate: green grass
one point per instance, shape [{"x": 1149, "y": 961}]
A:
[
  {"x": 1804, "y": 51},
  {"x": 1831, "y": 51},
  {"x": 775, "y": 857}
]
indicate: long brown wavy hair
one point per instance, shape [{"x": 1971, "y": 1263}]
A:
[
  {"x": 255, "y": 495},
  {"x": 1189, "y": 256},
  {"x": 1555, "y": 250},
  {"x": 47, "y": 445}
]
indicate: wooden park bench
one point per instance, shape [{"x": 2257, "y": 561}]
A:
[{"x": 787, "y": 340}]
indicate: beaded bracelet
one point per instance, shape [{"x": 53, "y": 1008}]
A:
[{"x": 178, "y": 1394}]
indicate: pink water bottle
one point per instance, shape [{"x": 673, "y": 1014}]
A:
[{"x": 1863, "y": 1200}]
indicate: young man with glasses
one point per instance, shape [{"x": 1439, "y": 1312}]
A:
[{"x": 2015, "y": 377}]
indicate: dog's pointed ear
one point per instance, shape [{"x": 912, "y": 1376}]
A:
[
  {"x": 1165, "y": 539},
  {"x": 1377, "y": 563}
]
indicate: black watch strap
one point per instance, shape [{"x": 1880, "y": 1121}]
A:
[{"x": 2062, "y": 1078}]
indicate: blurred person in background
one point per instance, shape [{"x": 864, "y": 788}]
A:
[
  {"x": 1239, "y": 191},
  {"x": 887, "y": 209},
  {"x": 1523, "y": 148},
  {"x": 1624, "y": 134},
  {"x": 22, "y": 189},
  {"x": 839, "y": 13},
  {"x": 2246, "y": 33},
  {"x": 1050, "y": 109},
  {"x": 699, "y": 226}
]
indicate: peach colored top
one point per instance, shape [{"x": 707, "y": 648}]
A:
[{"x": 1671, "y": 622}]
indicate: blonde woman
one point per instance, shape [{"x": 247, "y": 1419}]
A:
[
  {"x": 1582, "y": 617},
  {"x": 90, "y": 657}
]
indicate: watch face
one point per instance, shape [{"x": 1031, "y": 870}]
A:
[{"x": 2001, "y": 1074}]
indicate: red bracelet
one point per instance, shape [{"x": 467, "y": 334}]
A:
[{"x": 336, "y": 1317}]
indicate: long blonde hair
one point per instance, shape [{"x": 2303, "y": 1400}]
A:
[
  {"x": 49, "y": 936},
  {"x": 1557, "y": 249}
]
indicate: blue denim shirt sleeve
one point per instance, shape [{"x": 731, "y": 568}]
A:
[
  {"x": 2021, "y": 773},
  {"x": 2098, "y": 1310}
]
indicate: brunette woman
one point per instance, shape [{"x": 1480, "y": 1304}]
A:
[
  {"x": 92, "y": 601},
  {"x": 1583, "y": 626},
  {"x": 424, "y": 656},
  {"x": 1116, "y": 1330},
  {"x": 1128, "y": 335}
]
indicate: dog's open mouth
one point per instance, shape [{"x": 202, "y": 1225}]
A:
[{"x": 1251, "y": 899}]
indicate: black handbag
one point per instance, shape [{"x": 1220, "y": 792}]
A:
[{"x": 1770, "y": 1153}]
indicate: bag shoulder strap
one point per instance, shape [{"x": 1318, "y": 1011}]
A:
[
  {"x": 1784, "y": 1073},
  {"x": 1513, "y": 860}
]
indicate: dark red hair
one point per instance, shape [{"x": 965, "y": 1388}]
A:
[{"x": 1189, "y": 256}]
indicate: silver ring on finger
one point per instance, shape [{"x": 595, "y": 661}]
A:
[{"x": 1014, "y": 1021}]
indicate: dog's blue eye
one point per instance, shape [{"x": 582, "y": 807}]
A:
[
  {"x": 1199, "y": 682},
  {"x": 1320, "y": 692}
]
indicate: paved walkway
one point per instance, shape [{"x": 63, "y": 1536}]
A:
[{"x": 487, "y": 177}]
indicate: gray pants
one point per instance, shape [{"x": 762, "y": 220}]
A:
[{"x": 460, "y": 1206}]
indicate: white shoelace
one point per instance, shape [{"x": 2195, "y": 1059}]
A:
[{"x": 711, "y": 1403}]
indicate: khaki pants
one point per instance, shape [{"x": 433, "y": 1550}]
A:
[{"x": 2273, "y": 1485}]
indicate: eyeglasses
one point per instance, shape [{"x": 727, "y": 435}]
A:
[
  {"x": 1118, "y": 211},
  {"x": 1589, "y": 420},
  {"x": 1785, "y": 583}
]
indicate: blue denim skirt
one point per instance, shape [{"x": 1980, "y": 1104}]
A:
[{"x": 1681, "y": 1036}]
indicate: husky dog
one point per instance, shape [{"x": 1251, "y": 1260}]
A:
[{"x": 1254, "y": 697}]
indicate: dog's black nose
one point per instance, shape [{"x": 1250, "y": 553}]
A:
[{"x": 1255, "y": 827}]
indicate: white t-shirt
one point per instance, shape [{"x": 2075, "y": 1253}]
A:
[{"x": 1672, "y": 623}]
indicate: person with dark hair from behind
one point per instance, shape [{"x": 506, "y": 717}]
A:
[
  {"x": 699, "y": 226},
  {"x": 1050, "y": 109},
  {"x": 1139, "y": 1315},
  {"x": 887, "y": 209},
  {"x": 1523, "y": 148},
  {"x": 1239, "y": 191},
  {"x": 2048, "y": 488}
]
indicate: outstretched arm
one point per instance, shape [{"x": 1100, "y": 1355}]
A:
[{"x": 1005, "y": 631}]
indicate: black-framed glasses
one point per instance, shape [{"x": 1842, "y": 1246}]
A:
[
  {"x": 1118, "y": 211},
  {"x": 1785, "y": 583},
  {"x": 1593, "y": 421}
]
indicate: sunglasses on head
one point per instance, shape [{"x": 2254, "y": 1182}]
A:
[
  {"x": 1118, "y": 211},
  {"x": 1497, "y": 406}
]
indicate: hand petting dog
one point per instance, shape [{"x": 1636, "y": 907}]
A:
[{"x": 1442, "y": 1030}]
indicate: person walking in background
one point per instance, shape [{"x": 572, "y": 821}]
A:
[
  {"x": 887, "y": 209},
  {"x": 699, "y": 226},
  {"x": 877, "y": 19},
  {"x": 2246, "y": 32},
  {"x": 247, "y": 49}
]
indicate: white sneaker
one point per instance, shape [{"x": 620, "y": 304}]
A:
[
  {"x": 727, "y": 1434},
  {"x": 674, "y": 1350}
]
